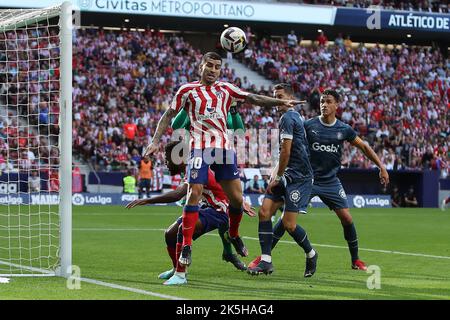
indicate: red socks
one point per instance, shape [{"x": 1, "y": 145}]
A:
[
  {"x": 235, "y": 216},
  {"x": 190, "y": 217},
  {"x": 179, "y": 267},
  {"x": 173, "y": 255}
]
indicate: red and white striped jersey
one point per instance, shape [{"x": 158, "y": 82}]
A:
[
  {"x": 213, "y": 194},
  {"x": 208, "y": 108}
]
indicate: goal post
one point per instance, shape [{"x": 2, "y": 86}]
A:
[
  {"x": 65, "y": 103},
  {"x": 36, "y": 141}
]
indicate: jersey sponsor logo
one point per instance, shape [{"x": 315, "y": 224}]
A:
[
  {"x": 294, "y": 196},
  {"x": 210, "y": 116},
  {"x": 325, "y": 148},
  {"x": 342, "y": 194}
]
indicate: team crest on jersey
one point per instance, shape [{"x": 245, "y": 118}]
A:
[
  {"x": 342, "y": 194},
  {"x": 194, "y": 174},
  {"x": 340, "y": 135},
  {"x": 295, "y": 196}
]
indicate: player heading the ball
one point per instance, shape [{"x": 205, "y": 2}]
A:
[{"x": 208, "y": 101}]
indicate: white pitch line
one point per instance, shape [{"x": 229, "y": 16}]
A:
[
  {"x": 281, "y": 241},
  {"x": 119, "y": 229},
  {"x": 134, "y": 290},
  {"x": 364, "y": 249},
  {"x": 93, "y": 281}
]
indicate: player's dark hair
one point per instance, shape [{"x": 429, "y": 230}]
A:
[
  {"x": 331, "y": 92},
  {"x": 284, "y": 86},
  {"x": 211, "y": 55}
]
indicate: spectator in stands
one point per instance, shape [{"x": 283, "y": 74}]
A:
[
  {"x": 322, "y": 39},
  {"x": 43, "y": 118},
  {"x": 339, "y": 41},
  {"x": 53, "y": 182},
  {"x": 246, "y": 84},
  {"x": 145, "y": 177},
  {"x": 348, "y": 43},
  {"x": 34, "y": 182},
  {"x": 265, "y": 182},
  {"x": 255, "y": 185},
  {"x": 77, "y": 180},
  {"x": 396, "y": 199},
  {"x": 292, "y": 39},
  {"x": 266, "y": 119},
  {"x": 129, "y": 182},
  {"x": 130, "y": 129},
  {"x": 409, "y": 198}
]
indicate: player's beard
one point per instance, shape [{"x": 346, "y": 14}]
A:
[{"x": 209, "y": 79}]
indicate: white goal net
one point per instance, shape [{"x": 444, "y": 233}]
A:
[{"x": 35, "y": 157}]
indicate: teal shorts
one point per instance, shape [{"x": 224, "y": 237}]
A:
[
  {"x": 331, "y": 193},
  {"x": 295, "y": 195}
]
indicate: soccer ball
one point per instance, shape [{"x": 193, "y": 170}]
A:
[{"x": 233, "y": 39}]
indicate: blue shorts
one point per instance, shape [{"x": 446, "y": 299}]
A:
[
  {"x": 222, "y": 162},
  {"x": 331, "y": 193},
  {"x": 295, "y": 195},
  {"x": 211, "y": 219},
  {"x": 145, "y": 184}
]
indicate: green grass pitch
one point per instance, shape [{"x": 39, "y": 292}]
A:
[{"x": 127, "y": 248}]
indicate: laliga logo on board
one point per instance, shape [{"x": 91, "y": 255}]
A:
[
  {"x": 78, "y": 199},
  {"x": 359, "y": 201}
]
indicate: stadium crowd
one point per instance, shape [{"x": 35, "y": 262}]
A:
[
  {"x": 413, "y": 5},
  {"x": 29, "y": 113},
  {"x": 398, "y": 99},
  {"x": 122, "y": 85}
]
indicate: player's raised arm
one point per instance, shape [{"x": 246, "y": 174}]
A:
[
  {"x": 369, "y": 153},
  {"x": 163, "y": 124},
  {"x": 264, "y": 101},
  {"x": 169, "y": 197},
  {"x": 178, "y": 103}
]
